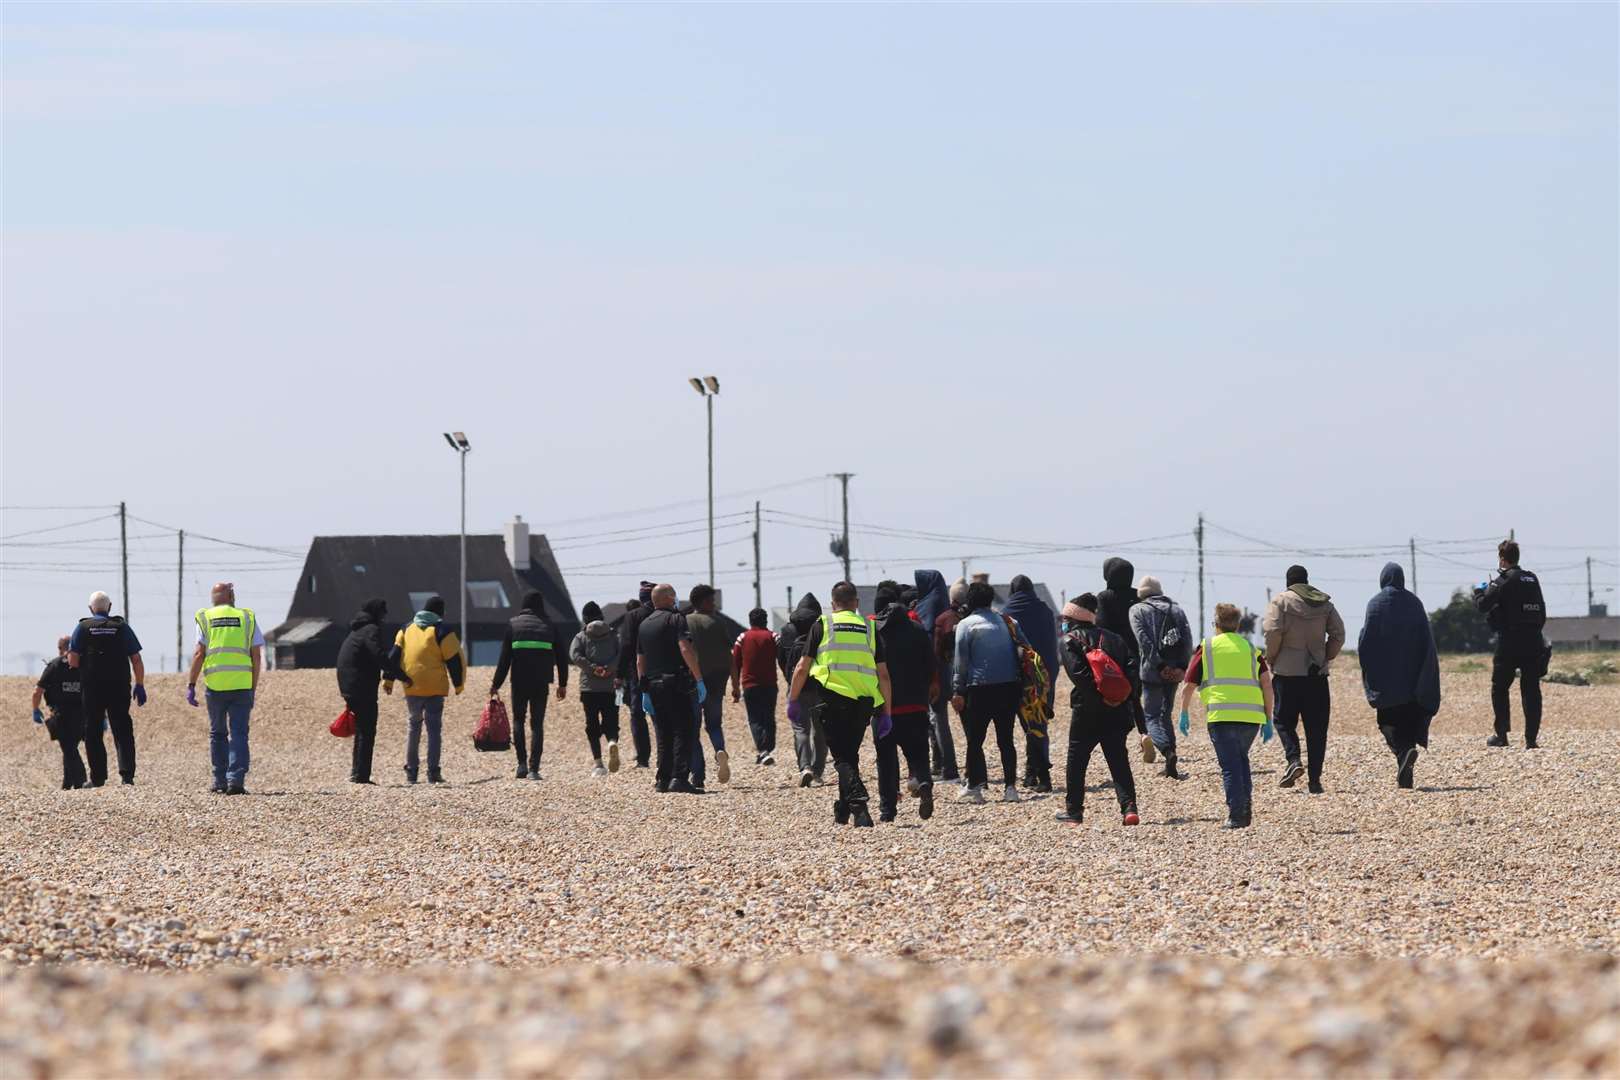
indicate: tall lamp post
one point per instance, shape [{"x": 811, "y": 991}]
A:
[
  {"x": 458, "y": 442},
  {"x": 709, "y": 387}
]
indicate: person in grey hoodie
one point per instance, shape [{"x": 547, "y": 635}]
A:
[
  {"x": 595, "y": 651},
  {"x": 1164, "y": 640},
  {"x": 1303, "y": 635}
]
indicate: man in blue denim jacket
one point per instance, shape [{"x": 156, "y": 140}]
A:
[{"x": 987, "y": 689}]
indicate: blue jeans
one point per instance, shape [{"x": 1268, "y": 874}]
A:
[
  {"x": 228, "y": 733},
  {"x": 1158, "y": 703},
  {"x": 709, "y": 714},
  {"x": 422, "y": 711},
  {"x": 1232, "y": 741}
]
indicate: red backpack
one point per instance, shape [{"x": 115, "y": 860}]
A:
[
  {"x": 1112, "y": 684},
  {"x": 494, "y": 730}
]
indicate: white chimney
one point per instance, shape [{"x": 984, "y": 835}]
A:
[{"x": 517, "y": 543}]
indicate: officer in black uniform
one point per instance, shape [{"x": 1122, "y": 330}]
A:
[
  {"x": 103, "y": 649},
  {"x": 1513, "y": 606},
  {"x": 59, "y": 686},
  {"x": 534, "y": 652},
  {"x": 671, "y": 688}
]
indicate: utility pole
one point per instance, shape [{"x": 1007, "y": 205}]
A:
[
  {"x": 843, "y": 478},
  {"x": 1591, "y": 605},
  {"x": 180, "y": 605},
  {"x": 1200, "y": 535},
  {"x": 123, "y": 549},
  {"x": 458, "y": 442},
  {"x": 1411, "y": 545},
  {"x": 759, "y": 600},
  {"x": 790, "y": 599},
  {"x": 964, "y": 568}
]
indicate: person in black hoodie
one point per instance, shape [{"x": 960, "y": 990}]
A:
[
  {"x": 1093, "y": 722},
  {"x": 1114, "y": 613},
  {"x": 809, "y": 738},
  {"x": 914, "y": 679},
  {"x": 534, "y": 652},
  {"x": 362, "y": 662},
  {"x": 635, "y": 614},
  {"x": 930, "y": 607}
]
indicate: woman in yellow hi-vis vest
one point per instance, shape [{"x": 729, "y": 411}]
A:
[{"x": 1234, "y": 683}]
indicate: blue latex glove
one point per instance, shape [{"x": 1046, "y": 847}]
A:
[
  {"x": 793, "y": 712},
  {"x": 646, "y": 704},
  {"x": 140, "y": 695},
  {"x": 703, "y": 692},
  {"x": 883, "y": 725},
  {"x": 1266, "y": 732},
  {"x": 1186, "y": 723},
  {"x": 191, "y": 695},
  {"x": 39, "y": 717}
]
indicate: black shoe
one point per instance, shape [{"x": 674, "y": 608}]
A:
[
  {"x": 1248, "y": 816},
  {"x": 1403, "y": 774},
  {"x": 1315, "y": 787},
  {"x": 925, "y": 802},
  {"x": 1045, "y": 784},
  {"x": 1068, "y": 816},
  {"x": 840, "y": 812},
  {"x": 886, "y": 815},
  {"x": 863, "y": 820},
  {"x": 1233, "y": 821},
  {"x": 235, "y": 789},
  {"x": 1530, "y": 744},
  {"x": 128, "y": 781},
  {"x": 218, "y": 788},
  {"x": 681, "y": 787},
  {"x": 806, "y": 778},
  {"x": 522, "y": 772},
  {"x": 696, "y": 788},
  {"x": 1170, "y": 767},
  {"x": 1496, "y": 740},
  {"x": 410, "y": 777},
  {"x": 436, "y": 777},
  {"x": 368, "y": 781},
  {"x": 1291, "y": 774}
]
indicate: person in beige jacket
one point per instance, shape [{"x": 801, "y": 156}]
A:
[{"x": 1303, "y": 635}]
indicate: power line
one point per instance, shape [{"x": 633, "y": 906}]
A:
[{"x": 59, "y": 528}]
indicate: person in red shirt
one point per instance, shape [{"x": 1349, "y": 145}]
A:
[{"x": 753, "y": 682}]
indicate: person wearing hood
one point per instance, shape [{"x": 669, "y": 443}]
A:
[
  {"x": 427, "y": 654},
  {"x": 533, "y": 652},
  {"x": 809, "y": 737},
  {"x": 1114, "y": 605},
  {"x": 1092, "y": 721},
  {"x": 987, "y": 689},
  {"x": 635, "y": 612},
  {"x": 1303, "y": 635},
  {"x": 937, "y": 613},
  {"x": 914, "y": 679},
  {"x": 595, "y": 651},
  {"x": 1039, "y": 624},
  {"x": 1164, "y": 642},
  {"x": 1400, "y": 671},
  {"x": 753, "y": 682},
  {"x": 362, "y": 662}
]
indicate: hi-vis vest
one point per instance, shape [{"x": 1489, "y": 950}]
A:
[
  {"x": 228, "y": 654},
  {"x": 1230, "y": 687},
  {"x": 846, "y": 660}
]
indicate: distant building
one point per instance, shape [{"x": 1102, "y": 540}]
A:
[
  {"x": 342, "y": 572},
  {"x": 1595, "y": 631}
]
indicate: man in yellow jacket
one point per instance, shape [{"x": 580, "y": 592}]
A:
[{"x": 428, "y": 651}]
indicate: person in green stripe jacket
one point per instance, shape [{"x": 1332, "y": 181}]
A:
[{"x": 533, "y": 652}]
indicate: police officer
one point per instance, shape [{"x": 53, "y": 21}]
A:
[
  {"x": 1513, "y": 606},
  {"x": 843, "y": 656},
  {"x": 533, "y": 652},
  {"x": 59, "y": 686},
  {"x": 668, "y": 674},
  {"x": 229, "y": 657},
  {"x": 104, "y": 650}
]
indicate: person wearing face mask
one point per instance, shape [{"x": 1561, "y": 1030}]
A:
[{"x": 104, "y": 650}]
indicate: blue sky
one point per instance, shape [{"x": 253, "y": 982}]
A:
[{"x": 1336, "y": 275}]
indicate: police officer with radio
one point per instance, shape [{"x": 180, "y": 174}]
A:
[
  {"x": 1513, "y": 605},
  {"x": 668, "y": 676},
  {"x": 59, "y": 687},
  {"x": 103, "y": 650}
]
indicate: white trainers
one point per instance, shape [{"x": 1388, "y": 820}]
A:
[
  {"x": 613, "y": 757},
  {"x": 1149, "y": 751},
  {"x": 767, "y": 758},
  {"x": 722, "y": 766},
  {"x": 1009, "y": 794},
  {"x": 971, "y": 794},
  {"x": 599, "y": 770}
]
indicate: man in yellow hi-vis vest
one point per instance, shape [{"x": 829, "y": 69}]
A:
[
  {"x": 843, "y": 663},
  {"x": 1231, "y": 677},
  {"x": 228, "y": 657}
]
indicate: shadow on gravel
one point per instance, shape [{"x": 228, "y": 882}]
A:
[
  {"x": 1171, "y": 822},
  {"x": 1461, "y": 787}
]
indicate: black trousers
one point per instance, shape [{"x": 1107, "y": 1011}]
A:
[
  {"x": 109, "y": 703},
  {"x": 983, "y": 706},
  {"x": 908, "y": 734},
  {"x": 530, "y": 700},
  {"x": 1303, "y": 697},
  {"x": 760, "y": 704},
  {"x": 1403, "y": 727},
  {"x": 675, "y": 722},
  {"x": 1138, "y": 714},
  {"x": 1086, "y": 733},
  {"x": 1517, "y": 661},
  {"x": 601, "y": 718},
  {"x": 365, "y": 735},
  {"x": 639, "y": 733},
  {"x": 69, "y": 733},
  {"x": 845, "y": 719}
]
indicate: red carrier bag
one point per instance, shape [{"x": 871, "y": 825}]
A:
[
  {"x": 1113, "y": 685},
  {"x": 494, "y": 730},
  {"x": 343, "y": 726}
]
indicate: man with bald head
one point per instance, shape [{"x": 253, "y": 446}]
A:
[
  {"x": 104, "y": 650},
  {"x": 229, "y": 657},
  {"x": 672, "y": 688}
]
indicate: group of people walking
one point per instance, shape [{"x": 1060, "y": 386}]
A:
[{"x": 926, "y": 650}]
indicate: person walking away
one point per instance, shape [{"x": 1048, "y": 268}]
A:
[
  {"x": 1092, "y": 721},
  {"x": 428, "y": 652},
  {"x": 843, "y": 657},
  {"x": 1233, "y": 680},
  {"x": 1513, "y": 606},
  {"x": 987, "y": 690},
  {"x": 809, "y": 737},
  {"x": 936, "y": 613},
  {"x": 713, "y": 644},
  {"x": 533, "y": 653},
  {"x": 1114, "y": 614},
  {"x": 667, "y": 672},
  {"x": 1164, "y": 642},
  {"x": 1039, "y": 625},
  {"x": 362, "y": 661},
  {"x": 595, "y": 651},
  {"x": 634, "y": 613},
  {"x": 58, "y": 687},
  {"x": 908, "y": 650},
  {"x": 1303, "y": 635},
  {"x": 228, "y": 658},
  {"x": 1400, "y": 672},
  {"x": 753, "y": 682},
  {"x": 104, "y": 650}
]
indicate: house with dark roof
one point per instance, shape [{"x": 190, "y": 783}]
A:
[{"x": 343, "y": 572}]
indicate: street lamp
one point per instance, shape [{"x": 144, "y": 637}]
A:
[
  {"x": 458, "y": 442},
  {"x": 709, "y": 387}
]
